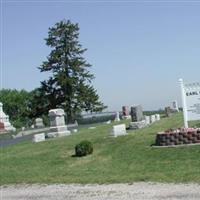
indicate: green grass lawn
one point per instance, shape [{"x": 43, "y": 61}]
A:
[{"x": 115, "y": 160}]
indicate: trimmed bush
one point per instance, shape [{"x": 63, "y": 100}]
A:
[{"x": 83, "y": 148}]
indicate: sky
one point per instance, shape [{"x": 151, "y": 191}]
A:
[{"x": 138, "y": 49}]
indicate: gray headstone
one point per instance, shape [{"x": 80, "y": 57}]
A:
[
  {"x": 137, "y": 125},
  {"x": 175, "y": 106},
  {"x": 168, "y": 111},
  {"x": 136, "y": 113},
  {"x": 39, "y": 123},
  {"x": 58, "y": 127}
]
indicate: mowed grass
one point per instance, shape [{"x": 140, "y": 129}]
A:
[{"x": 124, "y": 159}]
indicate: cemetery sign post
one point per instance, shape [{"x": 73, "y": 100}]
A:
[{"x": 190, "y": 101}]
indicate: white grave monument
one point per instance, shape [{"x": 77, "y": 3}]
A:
[
  {"x": 58, "y": 127},
  {"x": 5, "y": 120},
  {"x": 190, "y": 101},
  {"x": 157, "y": 117},
  {"x": 147, "y": 120},
  {"x": 39, "y": 137},
  {"x": 118, "y": 130},
  {"x": 152, "y": 118},
  {"x": 117, "y": 118},
  {"x": 39, "y": 123}
]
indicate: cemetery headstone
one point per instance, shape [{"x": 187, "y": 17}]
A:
[
  {"x": 39, "y": 137},
  {"x": 39, "y": 123},
  {"x": 152, "y": 118},
  {"x": 58, "y": 127},
  {"x": 147, "y": 120},
  {"x": 136, "y": 113},
  {"x": 92, "y": 127},
  {"x": 168, "y": 111},
  {"x": 118, "y": 130},
  {"x": 175, "y": 106},
  {"x": 137, "y": 118},
  {"x": 157, "y": 116},
  {"x": 108, "y": 122},
  {"x": 117, "y": 118},
  {"x": 5, "y": 120},
  {"x": 125, "y": 112},
  {"x": 74, "y": 130}
]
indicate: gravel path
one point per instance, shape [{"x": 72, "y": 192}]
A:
[{"x": 136, "y": 191}]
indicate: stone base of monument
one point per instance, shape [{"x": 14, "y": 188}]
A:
[
  {"x": 8, "y": 127},
  {"x": 178, "y": 137},
  {"x": 58, "y": 131},
  {"x": 137, "y": 125},
  {"x": 126, "y": 117}
]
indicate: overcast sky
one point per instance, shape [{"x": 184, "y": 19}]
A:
[{"x": 138, "y": 49}]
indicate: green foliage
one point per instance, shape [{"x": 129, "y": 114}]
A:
[
  {"x": 39, "y": 104},
  {"x": 69, "y": 85},
  {"x": 15, "y": 104},
  {"x": 83, "y": 148}
]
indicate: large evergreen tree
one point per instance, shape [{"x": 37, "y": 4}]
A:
[{"x": 69, "y": 85}]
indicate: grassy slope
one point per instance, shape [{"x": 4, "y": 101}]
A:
[{"x": 123, "y": 159}]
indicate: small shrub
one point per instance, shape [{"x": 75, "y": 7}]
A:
[{"x": 83, "y": 148}]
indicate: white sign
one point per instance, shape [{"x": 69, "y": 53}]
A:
[
  {"x": 191, "y": 101},
  {"x": 192, "y": 92}
]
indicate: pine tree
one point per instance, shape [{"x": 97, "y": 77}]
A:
[{"x": 69, "y": 86}]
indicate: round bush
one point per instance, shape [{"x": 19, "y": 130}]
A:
[{"x": 83, "y": 148}]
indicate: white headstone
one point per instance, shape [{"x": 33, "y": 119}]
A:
[
  {"x": 5, "y": 120},
  {"x": 147, "y": 120},
  {"x": 157, "y": 116},
  {"x": 152, "y": 118},
  {"x": 39, "y": 137},
  {"x": 92, "y": 127},
  {"x": 39, "y": 123},
  {"x": 74, "y": 130},
  {"x": 117, "y": 118},
  {"x": 118, "y": 130},
  {"x": 58, "y": 127},
  {"x": 108, "y": 122}
]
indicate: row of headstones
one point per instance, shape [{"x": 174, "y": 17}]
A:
[
  {"x": 138, "y": 120},
  {"x": 120, "y": 129},
  {"x": 58, "y": 128}
]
